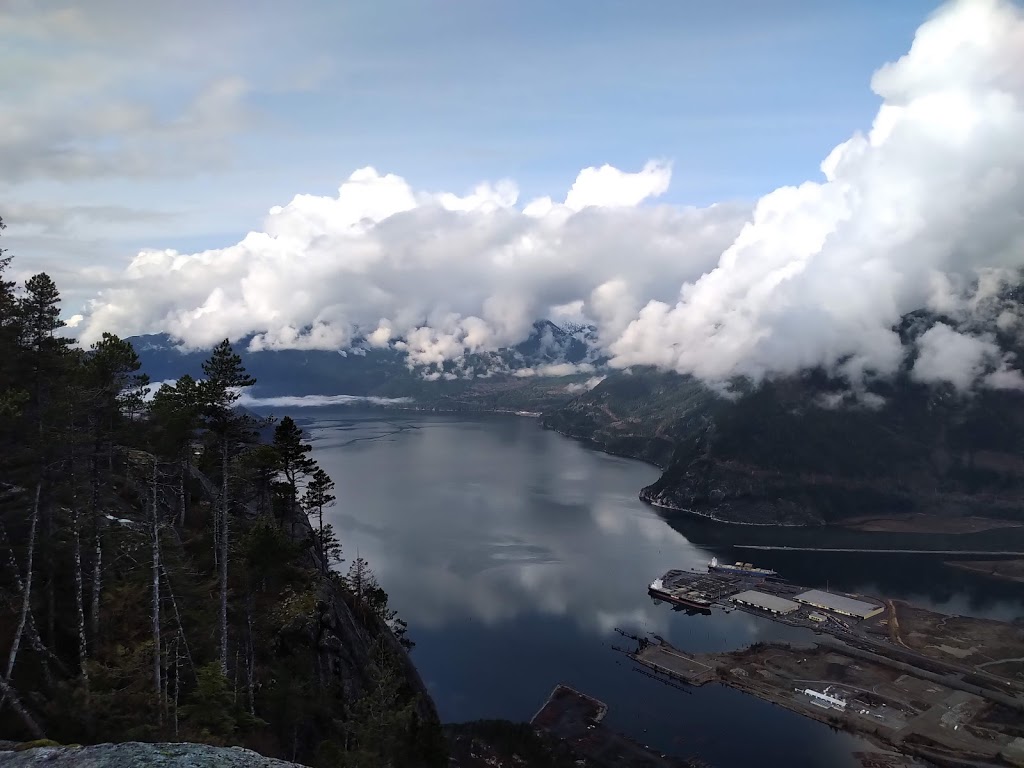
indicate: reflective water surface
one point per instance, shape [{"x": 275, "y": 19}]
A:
[{"x": 513, "y": 553}]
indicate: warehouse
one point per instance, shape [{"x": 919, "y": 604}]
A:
[
  {"x": 769, "y": 603},
  {"x": 847, "y": 606}
]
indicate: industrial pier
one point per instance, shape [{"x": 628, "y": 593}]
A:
[
  {"x": 762, "y": 595},
  {"x": 949, "y": 689}
]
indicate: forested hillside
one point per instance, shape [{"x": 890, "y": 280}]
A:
[
  {"x": 159, "y": 574},
  {"x": 793, "y": 451}
]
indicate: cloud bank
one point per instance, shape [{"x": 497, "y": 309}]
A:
[
  {"x": 437, "y": 274},
  {"x": 823, "y": 271},
  {"x": 924, "y": 206}
]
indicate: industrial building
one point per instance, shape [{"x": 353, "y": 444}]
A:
[
  {"x": 847, "y": 606},
  {"x": 770, "y": 603},
  {"x": 825, "y": 700}
]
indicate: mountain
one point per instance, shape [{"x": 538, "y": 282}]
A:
[
  {"x": 786, "y": 452},
  {"x": 368, "y": 371}
]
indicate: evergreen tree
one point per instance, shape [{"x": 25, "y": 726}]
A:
[
  {"x": 176, "y": 410},
  {"x": 381, "y": 716},
  {"x": 293, "y": 458},
  {"x": 113, "y": 387},
  {"x": 91, "y": 482},
  {"x": 225, "y": 376},
  {"x": 318, "y": 495}
]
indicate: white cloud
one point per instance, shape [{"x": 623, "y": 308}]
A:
[
  {"x": 946, "y": 355},
  {"x": 933, "y": 193},
  {"x": 448, "y": 274},
  {"x": 554, "y": 369},
  {"x": 607, "y": 186},
  {"x": 585, "y": 386}
]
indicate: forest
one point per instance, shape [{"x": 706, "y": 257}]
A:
[{"x": 166, "y": 572}]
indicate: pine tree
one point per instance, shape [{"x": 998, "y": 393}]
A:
[
  {"x": 293, "y": 459},
  {"x": 317, "y": 496},
  {"x": 113, "y": 386},
  {"x": 225, "y": 376},
  {"x": 176, "y": 410}
]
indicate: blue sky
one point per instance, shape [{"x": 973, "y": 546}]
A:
[
  {"x": 656, "y": 153},
  {"x": 741, "y": 96}
]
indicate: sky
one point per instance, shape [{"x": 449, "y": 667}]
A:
[{"x": 656, "y": 168}]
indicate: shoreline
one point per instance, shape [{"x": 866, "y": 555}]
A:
[
  {"x": 710, "y": 516},
  {"x": 990, "y": 572},
  {"x": 885, "y": 525}
]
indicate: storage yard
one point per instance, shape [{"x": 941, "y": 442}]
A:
[{"x": 949, "y": 689}]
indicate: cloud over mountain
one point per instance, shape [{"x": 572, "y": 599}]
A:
[
  {"x": 824, "y": 271},
  {"x": 906, "y": 216},
  {"x": 446, "y": 274}
]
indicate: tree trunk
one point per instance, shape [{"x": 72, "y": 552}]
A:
[
  {"x": 97, "y": 562},
  {"x": 177, "y": 683},
  {"x": 181, "y": 489},
  {"x": 83, "y": 647},
  {"x": 11, "y": 695},
  {"x": 97, "y": 581},
  {"x": 252, "y": 658},
  {"x": 177, "y": 618},
  {"x": 157, "y": 659},
  {"x": 26, "y": 598},
  {"x": 323, "y": 546},
  {"x": 51, "y": 580},
  {"x": 225, "y": 528},
  {"x": 30, "y": 627}
]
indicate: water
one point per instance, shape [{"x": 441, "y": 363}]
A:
[{"x": 513, "y": 553}]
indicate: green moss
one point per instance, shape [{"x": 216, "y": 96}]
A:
[{"x": 37, "y": 743}]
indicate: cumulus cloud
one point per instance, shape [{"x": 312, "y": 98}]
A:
[
  {"x": 435, "y": 274},
  {"x": 924, "y": 210},
  {"x": 946, "y": 355},
  {"x": 554, "y": 369},
  {"x": 931, "y": 194},
  {"x": 585, "y": 386}
]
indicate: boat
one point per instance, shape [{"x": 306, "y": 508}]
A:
[
  {"x": 679, "y": 596},
  {"x": 743, "y": 569}
]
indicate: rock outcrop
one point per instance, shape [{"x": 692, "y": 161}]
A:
[{"x": 133, "y": 754}]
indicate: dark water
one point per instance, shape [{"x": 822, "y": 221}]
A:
[{"x": 513, "y": 553}]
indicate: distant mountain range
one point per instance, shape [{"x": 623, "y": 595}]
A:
[{"x": 364, "y": 370}]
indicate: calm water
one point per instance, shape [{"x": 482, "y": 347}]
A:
[{"x": 513, "y": 553}]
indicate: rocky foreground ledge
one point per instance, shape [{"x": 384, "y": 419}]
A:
[{"x": 132, "y": 754}]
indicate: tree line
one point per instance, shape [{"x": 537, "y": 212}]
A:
[{"x": 159, "y": 579}]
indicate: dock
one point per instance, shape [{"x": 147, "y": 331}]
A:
[
  {"x": 939, "y": 687},
  {"x": 672, "y": 662}
]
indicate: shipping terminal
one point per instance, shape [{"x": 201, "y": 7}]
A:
[{"x": 945, "y": 689}]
